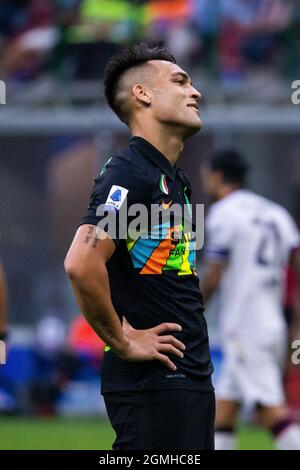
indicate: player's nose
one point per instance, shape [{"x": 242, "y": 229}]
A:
[{"x": 195, "y": 94}]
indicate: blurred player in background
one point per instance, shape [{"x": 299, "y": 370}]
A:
[
  {"x": 249, "y": 242},
  {"x": 3, "y": 305},
  {"x": 142, "y": 296}
]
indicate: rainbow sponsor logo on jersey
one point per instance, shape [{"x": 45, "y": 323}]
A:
[{"x": 169, "y": 249}]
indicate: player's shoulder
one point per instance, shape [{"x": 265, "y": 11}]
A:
[
  {"x": 271, "y": 208},
  {"x": 276, "y": 213},
  {"x": 245, "y": 200},
  {"x": 280, "y": 213},
  {"x": 278, "y": 209},
  {"x": 219, "y": 215},
  {"x": 128, "y": 164},
  {"x": 227, "y": 206}
]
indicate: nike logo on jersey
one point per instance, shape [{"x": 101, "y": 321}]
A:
[{"x": 166, "y": 205}]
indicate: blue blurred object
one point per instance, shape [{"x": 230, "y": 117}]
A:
[
  {"x": 29, "y": 378},
  {"x": 217, "y": 359},
  {"x": 15, "y": 376},
  {"x": 20, "y": 368}
]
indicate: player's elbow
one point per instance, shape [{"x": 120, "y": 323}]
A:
[
  {"x": 215, "y": 280},
  {"x": 73, "y": 269},
  {"x": 83, "y": 271}
]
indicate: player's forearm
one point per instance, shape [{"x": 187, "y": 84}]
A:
[
  {"x": 211, "y": 281},
  {"x": 207, "y": 289},
  {"x": 93, "y": 296}
]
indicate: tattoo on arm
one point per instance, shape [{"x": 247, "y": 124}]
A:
[
  {"x": 96, "y": 240},
  {"x": 89, "y": 235}
]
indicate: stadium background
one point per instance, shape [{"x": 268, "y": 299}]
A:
[{"x": 56, "y": 133}]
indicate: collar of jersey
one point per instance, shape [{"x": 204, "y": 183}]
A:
[{"x": 155, "y": 155}]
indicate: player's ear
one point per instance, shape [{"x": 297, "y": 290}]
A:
[{"x": 141, "y": 93}]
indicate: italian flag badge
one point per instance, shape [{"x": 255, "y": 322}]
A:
[{"x": 163, "y": 184}]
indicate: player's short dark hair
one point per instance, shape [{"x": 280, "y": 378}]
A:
[
  {"x": 124, "y": 60},
  {"x": 231, "y": 165}
]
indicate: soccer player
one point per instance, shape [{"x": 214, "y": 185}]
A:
[
  {"x": 249, "y": 242},
  {"x": 3, "y": 305},
  {"x": 142, "y": 295}
]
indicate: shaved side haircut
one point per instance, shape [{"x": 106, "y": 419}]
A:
[{"x": 127, "y": 68}]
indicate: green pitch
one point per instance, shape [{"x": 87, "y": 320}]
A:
[{"x": 71, "y": 433}]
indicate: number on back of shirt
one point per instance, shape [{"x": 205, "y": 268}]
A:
[{"x": 268, "y": 252}]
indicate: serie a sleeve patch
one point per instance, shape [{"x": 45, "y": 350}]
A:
[{"x": 116, "y": 197}]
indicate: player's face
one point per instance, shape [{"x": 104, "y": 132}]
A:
[{"x": 174, "y": 100}]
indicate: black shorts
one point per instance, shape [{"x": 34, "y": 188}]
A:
[{"x": 162, "y": 419}]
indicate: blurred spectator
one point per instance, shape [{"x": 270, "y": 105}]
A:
[
  {"x": 28, "y": 33},
  {"x": 207, "y": 20},
  {"x": 229, "y": 41},
  {"x": 171, "y": 24},
  {"x": 83, "y": 339},
  {"x": 61, "y": 357},
  {"x": 50, "y": 336},
  {"x": 3, "y": 305},
  {"x": 49, "y": 364},
  {"x": 251, "y": 30},
  {"x": 101, "y": 27}
]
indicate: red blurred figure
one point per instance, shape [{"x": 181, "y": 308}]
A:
[{"x": 82, "y": 338}]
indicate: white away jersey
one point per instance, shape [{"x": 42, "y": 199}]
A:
[{"x": 254, "y": 237}]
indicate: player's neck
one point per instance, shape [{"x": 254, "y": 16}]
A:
[
  {"x": 169, "y": 144},
  {"x": 225, "y": 191}
]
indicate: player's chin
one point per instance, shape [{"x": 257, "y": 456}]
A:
[
  {"x": 194, "y": 125},
  {"x": 198, "y": 123}
]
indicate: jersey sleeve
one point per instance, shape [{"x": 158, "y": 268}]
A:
[
  {"x": 117, "y": 188},
  {"x": 219, "y": 230}
]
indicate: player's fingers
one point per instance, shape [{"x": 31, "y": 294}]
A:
[
  {"x": 166, "y": 361},
  {"x": 171, "y": 340},
  {"x": 163, "y": 327},
  {"x": 168, "y": 348}
]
